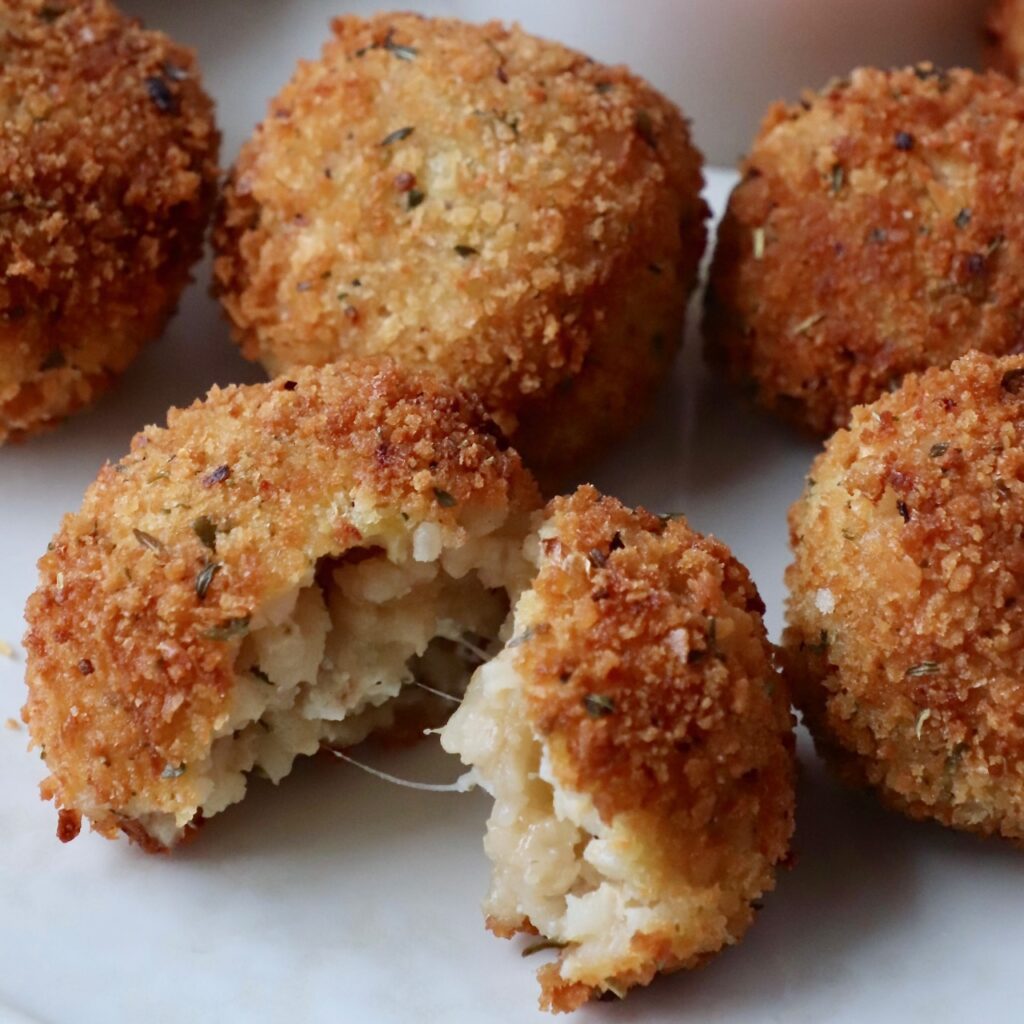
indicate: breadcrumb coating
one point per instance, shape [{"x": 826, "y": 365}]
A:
[
  {"x": 108, "y": 168},
  {"x": 876, "y": 231},
  {"x": 905, "y": 611},
  {"x": 1004, "y": 37},
  {"x": 189, "y": 545},
  {"x": 655, "y": 731},
  {"x": 474, "y": 200}
]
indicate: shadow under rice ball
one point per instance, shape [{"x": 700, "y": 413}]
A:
[
  {"x": 877, "y": 230},
  {"x": 108, "y": 167},
  {"x": 479, "y": 202},
  {"x": 905, "y": 643}
]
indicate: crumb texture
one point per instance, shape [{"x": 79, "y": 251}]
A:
[
  {"x": 108, "y": 168},
  {"x": 905, "y": 613},
  {"x": 474, "y": 200},
  {"x": 875, "y": 232}
]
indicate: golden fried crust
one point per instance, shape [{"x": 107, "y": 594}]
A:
[
  {"x": 129, "y": 665},
  {"x": 108, "y": 167},
  {"x": 1004, "y": 37},
  {"x": 906, "y": 616},
  {"x": 649, "y": 675},
  {"x": 877, "y": 230},
  {"x": 475, "y": 200}
]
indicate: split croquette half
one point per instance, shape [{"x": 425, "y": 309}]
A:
[
  {"x": 638, "y": 745},
  {"x": 1004, "y": 37},
  {"x": 108, "y": 168},
  {"x": 876, "y": 231},
  {"x": 264, "y": 576},
  {"x": 905, "y": 611},
  {"x": 474, "y": 200}
]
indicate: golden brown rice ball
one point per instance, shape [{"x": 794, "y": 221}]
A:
[
  {"x": 477, "y": 201},
  {"x": 877, "y": 230},
  {"x": 108, "y": 165},
  {"x": 269, "y": 573},
  {"x": 1004, "y": 37},
  {"x": 638, "y": 746},
  {"x": 906, "y": 613}
]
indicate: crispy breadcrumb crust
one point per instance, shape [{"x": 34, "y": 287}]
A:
[
  {"x": 1004, "y": 37},
  {"x": 129, "y": 665},
  {"x": 649, "y": 676},
  {"x": 475, "y": 200},
  {"x": 108, "y": 169},
  {"x": 877, "y": 230},
  {"x": 906, "y": 618}
]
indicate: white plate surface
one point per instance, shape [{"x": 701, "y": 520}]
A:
[{"x": 337, "y": 898}]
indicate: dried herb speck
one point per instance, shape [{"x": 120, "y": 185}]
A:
[
  {"x": 963, "y": 218},
  {"x": 598, "y": 705},
  {"x": 938, "y": 450},
  {"x": 838, "y": 179},
  {"x": 413, "y": 198},
  {"x": 924, "y": 668},
  {"x": 147, "y": 540},
  {"x": 466, "y": 251},
  {"x": 205, "y": 577},
  {"x": 444, "y": 499},
  {"x": 161, "y": 95},
  {"x": 901, "y": 507},
  {"x": 216, "y": 476},
  {"x": 903, "y": 141},
  {"x": 398, "y": 50},
  {"x": 597, "y": 558},
  {"x": 397, "y": 136},
  {"x": 228, "y": 630},
  {"x": 290, "y": 385},
  {"x": 86, "y": 667}
]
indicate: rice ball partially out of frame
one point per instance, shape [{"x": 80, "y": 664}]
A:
[
  {"x": 474, "y": 200},
  {"x": 878, "y": 230},
  {"x": 638, "y": 746},
  {"x": 271, "y": 572},
  {"x": 1004, "y": 37},
  {"x": 906, "y": 608},
  {"x": 108, "y": 168}
]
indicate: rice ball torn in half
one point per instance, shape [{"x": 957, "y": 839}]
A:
[
  {"x": 108, "y": 173},
  {"x": 905, "y": 637},
  {"x": 638, "y": 745},
  {"x": 268, "y": 574},
  {"x": 474, "y": 200}
]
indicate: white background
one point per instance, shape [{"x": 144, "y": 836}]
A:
[{"x": 335, "y": 898}]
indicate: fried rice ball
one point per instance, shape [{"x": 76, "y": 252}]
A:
[
  {"x": 474, "y": 200},
  {"x": 905, "y": 644},
  {"x": 638, "y": 746},
  {"x": 877, "y": 230},
  {"x": 269, "y": 573},
  {"x": 108, "y": 167},
  {"x": 1004, "y": 37}
]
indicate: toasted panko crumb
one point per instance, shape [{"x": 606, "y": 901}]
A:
[
  {"x": 1004, "y": 37},
  {"x": 639, "y": 747},
  {"x": 6, "y": 650},
  {"x": 477, "y": 201},
  {"x": 911, "y": 674},
  {"x": 215, "y": 528},
  {"x": 876, "y": 231},
  {"x": 108, "y": 169},
  {"x": 13, "y": 724}
]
